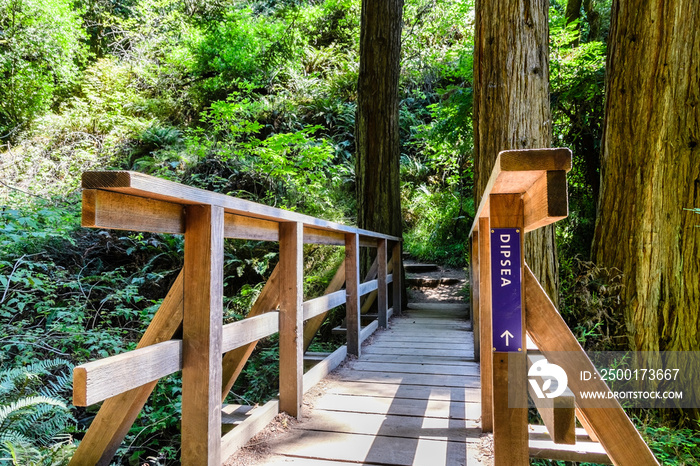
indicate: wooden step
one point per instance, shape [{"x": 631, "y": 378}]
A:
[
  {"x": 430, "y": 282},
  {"x": 584, "y": 451},
  {"x": 417, "y": 267}
]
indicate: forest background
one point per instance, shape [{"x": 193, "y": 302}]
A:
[{"x": 254, "y": 99}]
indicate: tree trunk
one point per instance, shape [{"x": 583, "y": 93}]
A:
[
  {"x": 511, "y": 103},
  {"x": 377, "y": 123},
  {"x": 650, "y": 171}
]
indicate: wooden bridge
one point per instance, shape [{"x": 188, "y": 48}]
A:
[{"x": 424, "y": 390}]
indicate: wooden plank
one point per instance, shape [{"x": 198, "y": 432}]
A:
[
  {"x": 256, "y": 421},
  {"x": 547, "y": 201},
  {"x": 377, "y": 450},
  {"x": 352, "y": 290},
  {"x": 291, "y": 318},
  {"x": 397, "y": 284},
  {"x": 474, "y": 308},
  {"x": 435, "y": 391},
  {"x": 558, "y": 414},
  {"x": 447, "y": 409},
  {"x": 581, "y": 452},
  {"x": 117, "y": 414},
  {"x": 201, "y": 335},
  {"x": 412, "y": 351},
  {"x": 142, "y": 185},
  {"x": 104, "y": 209},
  {"x": 368, "y": 330},
  {"x": 382, "y": 295},
  {"x": 510, "y": 435},
  {"x": 420, "y": 345},
  {"x": 321, "y": 305},
  {"x": 419, "y": 359},
  {"x": 454, "y": 430},
  {"x": 323, "y": 368},
  {"x": 242, "y": 227},
  {"x": 458, "y": 381},
  {"x": 540, "y": 432},
  {"x": 98, "y": 380},
  {"x": 370, "y": 366},
  {"x": 515, "y": 171},
  {"x": 367, "y": 287},
  {"x": 485, "y": 343},
  {"x": 249, "y": 330},
  {"x": 611, "y": 426}
]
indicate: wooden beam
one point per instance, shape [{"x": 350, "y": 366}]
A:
[
  {"x": 510, "y": 436},
  {"x": 291, "y": 318},
  {"x": 582, "y": 452},
  {"x": 382, "y": 294},
  {"x": 486, "y": 345},
  {"x": 372, "y": 296},
  {"x": 98, "y": 380},
  {"x": 147, "y": 186},
  {"x": 241, "y": 227},
  {"x": 547, "y": 201},
  {"x": 249, "y": 330},
  {"x": 397, "y": 281},
  {"x": 105, "y": 209},
  {"x": 367, "y": 287},
  {"x": 201, "y": 336},
  {"x": 242, "y": 433},
  {"x": 558, "y": 414},
  {"x": 117, "y": 414},
  {"x": 552, "y": 336},
  {"x": 352, "y": 285},
  {"x": 325, "y": 367},
  {"x": 515, "y": 171},
  {"x": 321, "y": 305},
  {"x": 474, "y": 282}
]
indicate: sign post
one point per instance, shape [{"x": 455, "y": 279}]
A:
[{"x": 506, "y": 286}]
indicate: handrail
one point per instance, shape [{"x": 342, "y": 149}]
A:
[
  {"x": 527, "y": 190},
  {"x": 134, "y": 201}
]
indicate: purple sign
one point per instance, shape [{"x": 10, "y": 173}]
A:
[{"x": 506, "y": 290}]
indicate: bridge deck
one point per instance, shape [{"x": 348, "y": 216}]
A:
[{"x": 412, "y": 398}]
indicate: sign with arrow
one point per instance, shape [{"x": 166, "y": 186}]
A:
[{"x": 506, "y": 290}]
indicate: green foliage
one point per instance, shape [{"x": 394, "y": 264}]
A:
[
  {"x": 437, "y": 225},
  {"x": 34, "y": 413},
  {"x": 40, "y": 53}
]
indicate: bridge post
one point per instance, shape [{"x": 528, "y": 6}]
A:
[
  {"x": 352, "y": 283},
  {"x": 397, "y": 284},
  {"x": 291, "y": 317},
  {"x": 202, "y": 335},
  {"x": 382, "y": 295},
  {"x": 510, "y": 432},
  {"x": 474, "y": 305},
  {"x": 486, "y": 346}
]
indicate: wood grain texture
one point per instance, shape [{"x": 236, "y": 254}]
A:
[
  {"x": 382, "y": 293},
  {"x": 510, "y": 436},
  {"x": 98, "y": 380},
  {"x": 397, "y": 289},
  {"x": 321, "y": 305},
  {"x": 546, "y": 201},
  {"x": 609, "y": 422},
  {"x": 485, "y": 343},
  {"x": 558, "y": 414},
  {"x": 367, "y": 287},
  {"x": 312, "y": 325},
  {"x": 147, "y": 186},
  {"x": 291, "y": 318},
  {"x": 201, "y": 336},
  {"x": 117, "y": 414},
  {"x": 255, "y": 422},
  {"x": 352, "y": 285},
  {"x": 249, "y": 330},
  {"x": 474, "y": 289}
]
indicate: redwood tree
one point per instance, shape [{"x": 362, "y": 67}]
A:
[
  {"x": 511, "y": 103},
  {"x": 377, "y": 123},
  {"x": 650, "y": 171}
]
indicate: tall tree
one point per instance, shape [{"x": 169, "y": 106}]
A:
[
  {"x": 511, "y": 103},
  {"x": 650, "y": 171},
  {"x": 377, "y": 123}
]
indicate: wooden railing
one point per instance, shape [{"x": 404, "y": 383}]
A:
[
  {"x": 527, "y": 190},
  {"x": 187, "y": 333}
]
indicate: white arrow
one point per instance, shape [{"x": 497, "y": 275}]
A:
[{"x": 506, "y": 335}]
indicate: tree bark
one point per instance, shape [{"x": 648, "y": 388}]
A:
[
  {"x": 378, "y": 146},
  {"x": 377, "y": 124},
  {"x": 511, "y": 103},
  {"x": 650, "y": 171}
]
